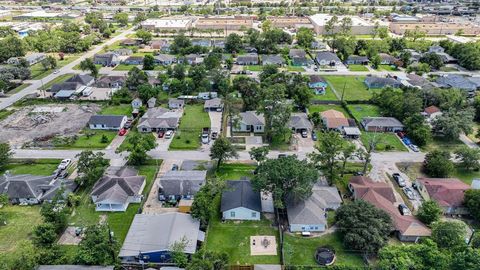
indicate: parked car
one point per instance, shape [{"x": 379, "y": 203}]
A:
[
  {"x": 175, "y": 167},
  {"x": 401, "y": 134},
  {"x": 168, "y": 134},
  {"x": 64, "y": 164},
  {"x": 404, "y": 210},
  {"x": 161, "y": 134},
  {"x": 214, "y": 135},
  {"x": 314, "y": 136},
  {"x": 409, "y": 193},
  {"x": 128, "y": 124},
  {"x": 406, "y": 141},
  {"x": 304, "y": 134},
  {"x": 56, "y": 71},
  {"x": 414, "y": 148},
  {"x": 282, "y": 155},
  {"x": 122, "y": 132},
  {"x": 400, "y": 181}
]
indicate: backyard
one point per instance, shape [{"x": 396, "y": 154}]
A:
[
  {"x": 385, "y": 141},
  {"x": 355, "y": 88},
  {"x": 253, "y": 68},
  {"x": 329, "y": 95},
  {"x": 123, "y": 109},
  {"x": 325, "y": 107},
  {"x": 300, "y": 251},
  {"x": 360, "y": 111},
  {"x": 193, "y": 120}
]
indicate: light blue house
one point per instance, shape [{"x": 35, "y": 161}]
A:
[
  {"x": 318, "y": 84},
  {"x": 240, "y": 201}
]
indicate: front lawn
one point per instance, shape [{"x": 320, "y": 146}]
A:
[
  {"x": 58, "y": 79},
  {"x": 235, "y": 171},
  {"x": 386, "y": 141},
  {"x": 253, "y": 68},
  {"x": 387, "y": 68},
  {"x": 300, "y": 251},
  {"x": 123, "y": 67},
  {"x": 38, "y": 72},
  {"x": 357, "y": 68},
  {"x": 355, "y": 88},
  {"x": 360, "y": 111},
  {"x": 32, "y": 166},
  {"x": 18, "y": 88},
  {"x": 325, "y": 107},
  {"x": 88, "y": 139},
  {"x": 295, "y": 69},
  {"x": 123, "y": 109},
  {"x": 187, "y": 137}
]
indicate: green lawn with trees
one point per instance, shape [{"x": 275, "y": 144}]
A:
[
  {"x": 32, "y": 166},
  {"x": 329, "y": 95},
  {"x": 355, "y": 88},
  {"x": 385, "y": 141},
  {"x": 187, "y": 137},
  {"x": 360, "y": 111},
  {"x": 87, "y": 139},
  {"x": 325, "y": 107}
]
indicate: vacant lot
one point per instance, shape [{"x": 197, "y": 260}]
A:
[
  {"x": 38, "y": 72},
  {"x": 300, "y": 251},
  {"x": 35, "y": 167},
  {"x": 193, "y": 120},
  {"x": 87, "y": 139},
  {"x": 354, "y": 86},
  {"x": 235, "y": 171},
  {"x": 386, "y": 141},
  {"x": 360, "y": 111},
  {"x": 443, "y": 144},
  {"x": 123, "y": 109}
]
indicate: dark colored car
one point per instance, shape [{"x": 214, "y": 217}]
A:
[
  {"x": 175, "y": 167},
  {"x": 399, "y": 179},
  {"x": 282, "y": 155},
  {"x": 160, "y": 134},
  {"x": 314, "y": 136},
  {"x": 404, "y": 210}
]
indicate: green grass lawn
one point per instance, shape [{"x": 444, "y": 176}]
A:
[
  {"x": 123, "y": 109},
  {"x": 325, "y": 107},
  {"x": 193, "y": 120},
  {"x": 35, "y": 167},
  {"x": 414, "y": 170},
  {"x": 300, "y": 251},
  {"x": 281, "y": 142},
  {"x": 5, "y": 113},
  {"x": 386, "y": 141},
  {"x": 234, "y": 238},
  {"x": 18, "y": 88},
  {"x": 123, "y": 67},
  {"x": 355, "y": 88},
  {"x": 21, "y": 220},
  {"x": 329, "y": 95},
  {"x": 443, "y": 144},
  {"x": 235, "y": 171},
  {"x": 448, "y": 69},
  {"x": 295, "y": 69},
  {"x": 387, "y": 68},
  {"x": 90, "y": 139},
  {"x": 360, "y": 111},
  {"x": 59, "y": 79},
  {"x": 253, "y": 68},
  {"x": 357, "y": 68},
  {"x": 38, "y": 72}
]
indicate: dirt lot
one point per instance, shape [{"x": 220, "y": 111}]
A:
[{"x": 41, "y": 123}]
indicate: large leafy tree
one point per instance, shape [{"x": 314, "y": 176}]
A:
[
  {"x": 249, "y": 90},
  {"x": 55, "y": 213},
  {"x": 208, "y": 260},
  {"x": 438, "y": 164},
  {"x": 136, "y": 77},
  {"x": 98, "y": 247},
  {"x": 139, "y": 145},
  {"x": 286, "y": 178},
  {"x": 472, "y": 202},
  {"x": 276, "y": 110},
  {"x": 328, "y": 149},
  {"x": 469, "y": 157},
  {"x": 202, "y": 207},
  {"x": 433, "y": 60},
  {"x": 148, "y": 62},
  {"x": 468, "y": 258},
  {"x": 222, "y": 149},
  {"x": 453, "y": 122},
  {"x": 429, "y": 212},
  {"x": 234, "y": 43},
  {"x": 144, "y": 35},
  {"x": 88, "y": 64},
  {"x": 449, "y": 234},
  {"x": 305, "y": 37},
  {"x": 44, "y": 235},
  {"x": 363, "y": 226},
  {"x": 91, "y": 167},
  {"x": 259, "y": 154}
]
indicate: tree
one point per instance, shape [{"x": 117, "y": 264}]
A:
[
  {"x": 98, "y": 247},
  {"x": 415, "y": 34},
  {"x": 286, "y": 178},
  {"x": 55, "y": 212},
  {"x": 5, "y": 154},
  {"x": 222, "y": 149},
  {"x": 177, "y": 251},
  {"x": 305, "y": 37},
  {"x": 121, "y": 18},
  {"x": 449, "y": 234},
  {"x": 453, "y": 122},
  {"x": 144, "y": 35},
  {"x": 429, "y": 212},
  {"x": 135, "y": 78},
  {"x": 363, "y": 226},
  {"x": 25, "y": 257},
  {"x": 44, "y": 235},
  {"x": 49, "y": 62},
  {"x": 259, "y": 154},
  {"x": 208, "y": 260},
  {"x": 472, "y": 202},
  {"x": 11, "y": 46},
  {"x": 148, "y": 62},
  {"x": 375, "y": 61},
  {"x": 433, "y": 60},
  {"x": 234, "y": 43},
  {"x": 383, "y": 32},
  {"x": 438, "y": 164},
  {"x": 468, "y": 258},
  {"x": 139, "y": 145},
  {"x": 88, "y": 64},
  {"x": 417, "y": 129},
  {"x": 202, "y": 207},
  {"x": 469, "y": 157},
  {"x": 330, "y": 145},
  {"x": 405, "y": 57},
  {"x": 249, "y": 90},
  {"x": 276, "y": 111},
  {"x": 91, "y": 167},
  {"x": 348, "y": 151},
  {"x": 146, "y": 91}
]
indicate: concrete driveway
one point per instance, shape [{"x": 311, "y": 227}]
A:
[{"x": 215, "y": 121}]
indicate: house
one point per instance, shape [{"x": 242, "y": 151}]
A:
[
  {"x": 310, "y": 215},
  {"x": 415, "y": 56},
  {"x": 146, "y": 244},
  {"x": 218, "y": 43},
  {"x": 130, "y": 42},
  {"x": 374, "y": 82},
  {"x": 106, "y": 59},
  {"x": 297, "y": 53},
  {"x": 193, "y": 59},
  {"x": 215, "y": 104},
  {"x": 137, "y": 103},
  {"x": 299, "y": 57},
  {"x": 123, "y": 52},
  {"x": 357, "y": 60},
  {"x": 250, "y": 121},
  {"x": 165, "y": 59},
  {"x": 159, "y": 44},
  {"x": 73, "y": 267},
  {"x": 299, "y": 122},
  {"x": 85, "y": 80},
  {"x": 67, "y": 86},
  {"x": 117, "y": 189},
  {"x": 351, "y": 132},
  {"x": 436, "y": 49},
  {"x": 334, "y": 120},
  {"x": 65, "y": 94},
  {"x": 318, "y": 45},
  {"x": 387, "y": 59},
  {"x": 159, "y": 119},
  {"x": 176, "y": 185},
  {"x": 318, "y": 83},
  {"x": 107, "y": 81},
  {"x": 447, "y": 192},
  {"x": 240, "y": 201},
  {"x": 469, "y": 84},
  {"x": 381, "y": 195},
  {"x": 432, "y": 112},
  {"x": 107, "y": 122},
  {"x": 381, "y": 124},
  {"x": 33, "y": 189},
  {"x": 151, "y": 102},
  {"x": 418, "y": 81},
  {"x": 34, "y": 58},
  {"x": 175, "y": 103},
  {"x": 201, "y": 42},
  {"x": 273, "y": 59},
  {"x": 133, "y": 60},
  {"x": 247, "y": 59},
  {"x": 207, "y": 95},
  {"x": 326, "y": 58}
]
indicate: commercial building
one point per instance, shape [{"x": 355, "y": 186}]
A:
[
  {"x": 359, "y": 26},
  {"x": 168, "y": 24},
  {"x": 224, "y": 23},
  {"x": 290, "y": 22},
  {"x": 433, "y": 25}
]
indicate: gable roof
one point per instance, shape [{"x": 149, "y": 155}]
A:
[
  {"x": 273, "y": 59},
  {"x": 165, "y": 58},
  {"x": 182, "y": 182},
  {"x": 110, "y": 79},
  {"x": 332, "y": 114},
  {"x": 117, "y": 187},
  {"x": 299, "y": 121},
  {"x": 297, "y": 53},
  {"x": 176, "y": 101},
  {"x": 160, "y": 118},
  {"x": 108, "y": 120},
  {"x": 446, "y": 191},
  {"x": 381, "y": 122},
  {"x": 250, "y": 57},
  {"x": 213, "y": 103},
  {"x": 70, "y": 86},
  {"x": 369, "y": 80},
  {"x": 24, "y": 185},
  {"x": 252, "y": 118},
  {"x": 327, "y": 56},
  {"x": 81, "y": 79},
  {"x": 317, "y": 79},
  {"x": 431, "y": 110},
  {"x": 240, "y": 194}
]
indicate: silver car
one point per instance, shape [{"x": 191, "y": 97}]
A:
[{"x": 409, "y": 193}]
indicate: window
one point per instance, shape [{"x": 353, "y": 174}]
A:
[
  {"x": 254, "y": 214},
  {"x": 232, "y": 214}
]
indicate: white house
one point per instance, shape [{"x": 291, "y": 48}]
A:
[
  {"x": 107, "y": 122},
  {"x": 207, "y": 95},
  {"x": 240, "y": 201},
  {"x": 250, "y": 121}
]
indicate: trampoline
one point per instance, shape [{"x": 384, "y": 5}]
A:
[{"x": 325, "y": 256}]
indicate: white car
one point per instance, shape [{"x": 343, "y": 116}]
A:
[
  {"x": 414, "y": 148},
  {"x": 168, "y": 134},
  {"x": 64, "y": 164},
  {"x": 56, "y": 71}
]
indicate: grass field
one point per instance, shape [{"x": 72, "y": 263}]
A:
[
  {"x": 414, "y": 170},
  {"x": 38, "y": 72},
  {"x": 448, "y": 69},
  {"x": 325, "y": 107},
  {"x": 387, "y": 68},
  {"x": 193, "y": 120},
  {"x": 360, "y": 111},
  {"x": 5, "y": 113},
  {"x": 386, "y": 141},
  {"x": 123, "y": 67},
  {"x": 35, "y": 167},
  {"x": 253, "y": 68},
  {"x": 443, "y": 144},
  {"x": 235, "y": 171},
  {"x": 21, "y": 220},
  {"x": 355, "y": 88},
  {"x": 90, "y": 139},
  {"x": 329, "y": 95},
  {"x": 357, "y": 68},
  {"x": 300, "y": 251},
  {"x": 59, "y": 79},
  {"x": 123, "y": 109},
  {"x": 18, "y": 88}
]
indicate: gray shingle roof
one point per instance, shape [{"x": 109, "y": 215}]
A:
[
  {"x": 381, "y": 122},
  {"x": 247, "y": 58},
  {"x": 213, "y": 103},
  {"x": 275, "y": 59},
  {"x": 297, "y": 53},
  {"x": 252, "y": 118},
  {"x": 165, "y": 58},
  {"x": 107, "y": 120},
  {"x": 240, "y": 194},
  {"x": 119, "y": 186},
  {"x": 182, "y": 182},
  {"x": 65, "y": 86},
  {"x": 160, "y": 118},
  {"x": 159, "y": 232},
  {"x": 24, "y": 185},
  {"x": 299, "y": 121},
  {"x": 327, "y": 56},
  {"x": 81, "y": 79}
]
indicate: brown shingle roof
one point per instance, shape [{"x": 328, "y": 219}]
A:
[{"x": 446, "y": 191}]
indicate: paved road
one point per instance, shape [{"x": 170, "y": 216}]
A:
[{"x": 36, "y": 84}]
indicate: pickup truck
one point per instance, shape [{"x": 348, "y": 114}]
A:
[{"x": 205, "y": 135}]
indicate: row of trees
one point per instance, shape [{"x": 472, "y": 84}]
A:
[{"x": 468, "y": 54}]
